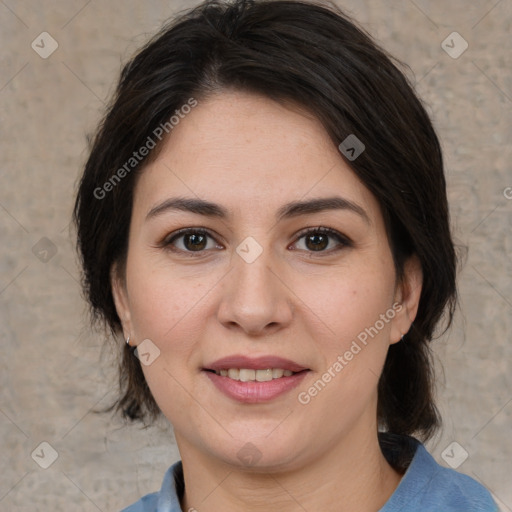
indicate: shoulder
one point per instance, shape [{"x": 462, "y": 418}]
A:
[
  {"x": 147, "y": 503},
  {"x": 455, "y": 491},
  {"x": 429, "y": 487},
  {"x": 167, "y": 498}
]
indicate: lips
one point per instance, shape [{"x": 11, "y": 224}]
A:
[
  {"x": 249, "y": 375},
  {"x": 254, "y": 380},
  {"x": 254, "y": 363}
]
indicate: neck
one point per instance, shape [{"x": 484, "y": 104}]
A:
[{"x": 352, "y": 475}]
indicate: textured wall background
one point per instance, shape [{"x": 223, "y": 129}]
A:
[{"x": 50, "y": 375}]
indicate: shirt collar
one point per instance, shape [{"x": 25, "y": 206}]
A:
[{"x": 404, "y": 453}]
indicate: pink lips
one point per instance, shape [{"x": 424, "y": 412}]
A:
[
  {"x": 254, "y": 363},
  {"x": 255, "y": 392}
]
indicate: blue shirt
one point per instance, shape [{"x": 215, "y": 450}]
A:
[{"x": 425, "y": 487}]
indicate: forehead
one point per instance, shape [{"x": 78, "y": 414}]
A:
[{"x": 243, "y": 150}]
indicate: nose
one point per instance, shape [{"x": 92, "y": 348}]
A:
[{"x": 255, "y": 298}]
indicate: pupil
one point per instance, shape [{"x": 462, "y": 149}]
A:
[
  {"x": 318, "y": 242},
  {"x": 196, "y": 242}
]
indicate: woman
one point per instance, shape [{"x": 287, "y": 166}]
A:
[{"x": 263, "y": 215}]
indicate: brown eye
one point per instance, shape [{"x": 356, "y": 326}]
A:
[
  {"x": 320, "y": 239},
  {"x": 317, "y": 241},
  {"x": 190, "y": 241},
  {"x": 195, "y": 242}
]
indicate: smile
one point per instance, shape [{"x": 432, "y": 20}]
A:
[{"x": 250, "y": 375}]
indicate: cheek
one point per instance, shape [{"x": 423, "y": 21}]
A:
[
  {"x": 169, "y": 309},
  {"x": 164, "y": 303},
  {"x": 352, "y": 338},
  {"x": 346, "y": 303},
  {"x": 353, "y": 342}
]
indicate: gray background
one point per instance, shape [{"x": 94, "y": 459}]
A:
[{"x": 52, "y": 369}]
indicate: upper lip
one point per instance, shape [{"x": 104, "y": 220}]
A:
[{"x": 254, "y": 363}]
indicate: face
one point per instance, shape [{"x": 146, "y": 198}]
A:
[{"x": 274, "y": 262}]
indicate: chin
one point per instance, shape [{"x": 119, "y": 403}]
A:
[{"x": 260, "y": 454}]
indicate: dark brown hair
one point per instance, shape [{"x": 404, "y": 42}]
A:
[{"x": 317, "y": 58}]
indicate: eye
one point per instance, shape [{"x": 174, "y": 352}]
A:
[
  {"x": 199, "y": 240},
  {"x": 191, "y": 240},
  {"x": 322, "y": 240}
]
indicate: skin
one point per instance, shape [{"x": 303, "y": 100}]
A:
[{"x": 251, "y": 156}]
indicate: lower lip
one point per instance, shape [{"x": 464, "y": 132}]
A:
[{"x": 255, "y": 392}]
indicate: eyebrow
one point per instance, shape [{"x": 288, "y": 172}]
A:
[{"x": 289, "y": 210}]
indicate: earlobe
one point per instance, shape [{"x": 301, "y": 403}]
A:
[{"x": 408, "y": 295}]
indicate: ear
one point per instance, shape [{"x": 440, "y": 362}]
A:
[
  {"x": 120, "y": 294},
  {"x": 407, "y": 298}
]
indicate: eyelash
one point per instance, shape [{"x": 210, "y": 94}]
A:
[{"x": 168, "y": 242}]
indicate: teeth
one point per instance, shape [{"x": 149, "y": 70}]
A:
[
  {"x": 234, "y": 373},
  {"x": 246, "y": 375},
  {"x": 264, "y": 375}
]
